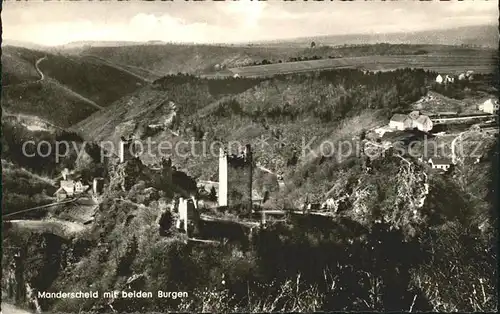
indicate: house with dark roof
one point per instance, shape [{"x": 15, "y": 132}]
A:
[
  {"x": 440, "y": 163},
  {"x": 400, "y": 122},
  {"x": 69, "y": 188}
]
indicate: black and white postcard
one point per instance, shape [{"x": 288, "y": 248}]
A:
[{"x": 249, "y": 156}]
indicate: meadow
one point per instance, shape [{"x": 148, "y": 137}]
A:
[{"x": 452, "y": 64}]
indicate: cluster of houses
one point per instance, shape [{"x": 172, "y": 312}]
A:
[
  {"x": 446, "y": 78},
  {"x": 70, "y": 188},
  {"x": 413, "y": 120}
]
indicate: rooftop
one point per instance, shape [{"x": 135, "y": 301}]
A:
[
  {"x": 441, "y": 160},
  {"x": 422, "y": 118},
  {"x": 398, "y": 117}
]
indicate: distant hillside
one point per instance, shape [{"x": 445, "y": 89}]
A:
[
  {"x": 18, "y": 65},
  {"x": 61, "y": 89},
  {"x": 484, "y": 35},
  {"x": 99, "y": 82},
  {"x": 22, "y": 189},
  {"x": 171, "y": 59},
  {"x": 291, "y": 107},
  {"x": 93, "y": 43},
  {"x": 48, "y": 100},
  {"x": 16, "y": 70}
]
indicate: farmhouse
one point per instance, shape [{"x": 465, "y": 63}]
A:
[
  {"x": 423, "y": 123},
  {"x": 444, "y": 79},
  {"x": 441, "y": 163},
  {"x": 69, "y": 188},
  {"x": 400, "y": 122},
  {"x": 490, "y": 106}
]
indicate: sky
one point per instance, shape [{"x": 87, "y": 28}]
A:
[{"x": 61, "y": 22}]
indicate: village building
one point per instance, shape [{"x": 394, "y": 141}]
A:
[
  {"x": 257, "y": 199},
  {"x": 414, "y": 114},
  {"x": 439, "y": 79},
  {"x": 440, "y": 163},
  {"x": 400, "y": 122},
  {"x": 444, "y": 79},
  {"x": 469, "y": 75},
  {"x": 489, "y": 106},
  {"x": 330, "y": 204},
  {"x": 423, "y": 123},
  {"x": 462, "y": 77},
  {"x": 69, "y": 188}
]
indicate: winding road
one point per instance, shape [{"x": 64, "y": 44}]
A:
[
  {"x": 37, "y": 63},
  {"x": 69, "y": 90}
]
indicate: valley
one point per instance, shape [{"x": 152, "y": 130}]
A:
[{"x": 333, "y": 162}]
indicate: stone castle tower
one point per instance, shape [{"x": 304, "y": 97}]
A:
[
  {"x": 125, "y": 149},
  {"x": 235, "y": 178}
]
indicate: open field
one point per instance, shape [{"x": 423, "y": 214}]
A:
[{"x": 453, "y": 64}]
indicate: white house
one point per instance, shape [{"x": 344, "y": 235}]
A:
[
  {"x": 490, "y": 106},
  {"x": 440, "y": 79},
  {"x": 441, "y": 163},
  {"x": 69, "y": 188},
  {"x": 423, "y": 123},
  {"x": 469, "y": 75},
  {"x": 400, "y": 122}
]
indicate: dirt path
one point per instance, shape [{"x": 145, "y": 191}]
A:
[
  {"x": 69, "y": 90},
  {"x": 37, "y": 63},
  {"x": 39, "y": 207}
]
